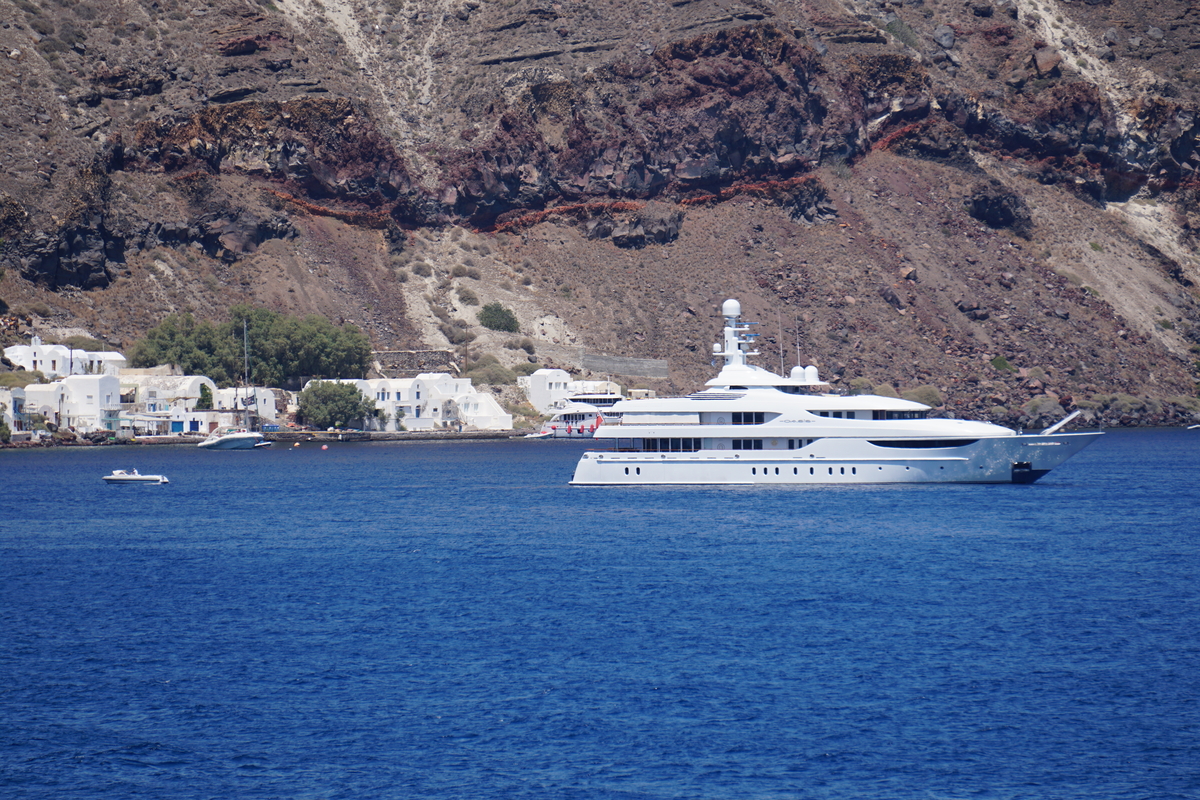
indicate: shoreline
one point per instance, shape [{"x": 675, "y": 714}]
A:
[{"x": 289, "y": 437}]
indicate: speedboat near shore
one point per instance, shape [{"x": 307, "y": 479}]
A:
[
  {"x": 235, "y": 440},
  {"x": 751, "y": 426},
  {"x": 133, "y": 476}
]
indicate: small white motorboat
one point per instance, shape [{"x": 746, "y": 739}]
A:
[
  {"x": 235, "y": 440},
  {"x": 133, "y": 476}
]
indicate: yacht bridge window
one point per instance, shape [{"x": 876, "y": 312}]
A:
[
  {"x": 748, "y": 417},
  {"x": 747, "y": 444}
]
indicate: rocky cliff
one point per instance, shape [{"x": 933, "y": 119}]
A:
[{"x": 994, "y": 203}]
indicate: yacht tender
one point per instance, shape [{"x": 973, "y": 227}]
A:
[
  {"x": 753, "y": 426},
  {"x": 578, "y": 416},
  {"x": 133, "y": 476}
]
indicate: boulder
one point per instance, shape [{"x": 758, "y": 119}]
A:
[
  {"x": 997, "y": 207},
  {"x": 1047, "y": 61}
]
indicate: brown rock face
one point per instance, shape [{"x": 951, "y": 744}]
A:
[{"x": 612, "y": 171}]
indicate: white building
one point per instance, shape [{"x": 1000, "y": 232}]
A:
[
  {"x": 547, "y": 389},
  {"x": 12, "y": 412},
  {"x": 82, "y": 403},
  {"x": 259, "y": 400},
  {"x": 431, "y": 400},
  {"x": 158, "y": 393},
  {"x": 58, "y": 360}
]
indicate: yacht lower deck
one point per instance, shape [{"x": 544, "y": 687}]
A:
[{"x": 1009, "y": 459}]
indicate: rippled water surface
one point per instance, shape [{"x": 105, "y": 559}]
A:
[{"x": 454, "y": 621}]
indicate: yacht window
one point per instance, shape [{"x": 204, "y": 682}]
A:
[
  {"x": 899, "y": 414},
  {"x": 748, "y": 417},
  {"x": 681, "y": 445},
  {"x": 747, "y": 444}
]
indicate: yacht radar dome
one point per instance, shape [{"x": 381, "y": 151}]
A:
[{"x": 731, "y": 308}]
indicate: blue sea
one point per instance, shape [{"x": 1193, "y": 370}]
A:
[{"x": 452, "y": 620}]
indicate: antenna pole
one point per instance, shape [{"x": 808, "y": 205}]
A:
[
  {"x": 246, "y": 351},
  {"x": 779, "y": 322}
]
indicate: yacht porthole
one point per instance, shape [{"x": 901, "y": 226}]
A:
[
  {"x": 831, "y": 470},
  {"x": 854, "y": 470},
  {"x": 795, "y": 470},
  {"x": 777, "y": 470},
  {"x": 639, "y": 470},
  {"x": 843, "y": 470},
  {"x": 811, "y": 471},
  {"x": 627, "y": 470},
  {"x": 753, "y": 471}
]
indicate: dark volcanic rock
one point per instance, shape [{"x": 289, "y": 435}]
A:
[{"x": 992, "y": 204}]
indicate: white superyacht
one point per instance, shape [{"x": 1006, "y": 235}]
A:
[{"x": 752, "y": 426}]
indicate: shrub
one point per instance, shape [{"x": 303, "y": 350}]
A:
[
  {"x": 1042, "y": 406},
  {"x": 498, "y": 318},
  {"x": 456, "y": 333},
  {"x": 488, "y": 370},
  {"x": 886, "y": 390},
  {"x": 21, "y": 378},
  {"x": 928, "y": 395},
  {"x": 861, "y": 386},
  {"x": 468, "y": 297},
  {"x": 1001, "y": 363},
  {"x": 422, "y": 269}
]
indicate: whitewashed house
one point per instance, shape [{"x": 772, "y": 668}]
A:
[
  {"x": 154, "y": 393},
  {"x": 12, "y": 413},
  {"x": 160, "y": 404},
  {"x": 548, "y": 389},
  {"x": 58, "y": 360},
  {"x": 82, "y": 403},
  {"x": 258, "y": 400},
  {"x": 431, "y": 400}
]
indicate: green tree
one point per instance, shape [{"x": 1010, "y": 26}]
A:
[
  {"x": 498, "y": 318},
  {"x": 281, "y": 347},
  {"x": 326, "y": 404},
  {"x": 205, "y": 402}
]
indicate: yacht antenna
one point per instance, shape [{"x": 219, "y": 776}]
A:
[
  {"x": 779, "y": 322},
  {"x": 797, "y": 340}
]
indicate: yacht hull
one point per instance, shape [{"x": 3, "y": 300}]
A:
[{"x": 1002, "y": 459}]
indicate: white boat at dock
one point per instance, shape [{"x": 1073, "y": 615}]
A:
[
  {"x": 235, "y": 440},
  {"x": 751, "y": 426}
]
